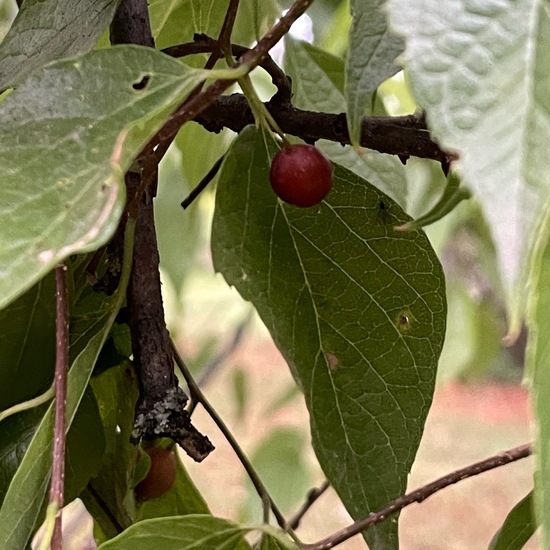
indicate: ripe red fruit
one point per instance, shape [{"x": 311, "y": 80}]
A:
[
  {"x": 301, "y": 175},
  {"x": 161, "y": 474}
]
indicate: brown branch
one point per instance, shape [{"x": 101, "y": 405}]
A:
[
  {"x": 205, "y": 44},
  {"x": 311, "y": 498},
  {"x": 150, "y": 341},
  {"x": 160, "y": 407},
  {"x": 223, "y": 43},
  {"x": 60, "y": 387},
  {"x": 191, "y": 108},
  {"x": 405, "y": 135},
  {"x": 131, "y": 24},
  {"x": 420, "y": 495}
]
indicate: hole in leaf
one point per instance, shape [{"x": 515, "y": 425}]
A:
[{"x": 141, "y": 84}]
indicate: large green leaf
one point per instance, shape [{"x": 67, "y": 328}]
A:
[
  {"x": 373, "y": 48},
  {"x": 180, "y": 533},
  {"x": 537, "y": 361},
  {"x": 357, "y": 309},
  {"x": 518, "y": 528},
  {"x": 69, "y": 131},
  {"x": 479, "y": 68},
  {"x": 45, "y": 30},
  {"x": 318, "y": 84},
  {"x": 27, "y": 344},
  {"x": 90, "y": 325}
]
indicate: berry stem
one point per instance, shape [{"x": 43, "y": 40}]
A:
[{"x": 262, "y": 116}]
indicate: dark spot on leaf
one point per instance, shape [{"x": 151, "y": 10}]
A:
[
  {"x": 404, "y": 320},
  {"x": 384, "y": 213},
  {"x": 141, "y": 84}
]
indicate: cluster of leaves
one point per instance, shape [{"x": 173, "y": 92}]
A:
[{"x": 357, "y": 308}]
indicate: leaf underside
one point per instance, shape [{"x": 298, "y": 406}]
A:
[
  {"x": 371, "y": 58},
  {"x": 479, "y": 69},
  {"x": 71, "y": 129},
  {"x": 44, "y": 30}
]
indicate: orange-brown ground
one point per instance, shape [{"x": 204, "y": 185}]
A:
[{"x": 466, "y": 424}]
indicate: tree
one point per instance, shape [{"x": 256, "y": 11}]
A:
[{"x": 350, "y": 289}]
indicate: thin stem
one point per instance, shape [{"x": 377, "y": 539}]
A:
[
  {"x": 311, "y": 498},
  {"x": 60, "y": 387},
  {"x": 261, "y": 113},
  {"x": 197, "y": 393},
  {"x": 29, "y": 404},
  {"x": 201, "y": 186},
  {"x": 421, "y": 494},
  {"x": 205, "y": 44},
  {"x": 223, "y": 43},
  {"x": 402, "y": 136}
]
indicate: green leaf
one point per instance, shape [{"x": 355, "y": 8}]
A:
[
  {"x": 537, "y": 361},
  {"x": 479, "y": 70},
  {"x": 279, "y": 461},
  {"x": 240, "y": 390},
  {"x": 180, "y": 533},
  {"x": 373, "y": 48},
  {"x": 323, "y": 83},
  {"x": 452, "y": 196},
  {"x": 25, "y": 494},
  {"x": 85, "y": 447},
  {"x": 16, "y": 433},
  {"x": 518, "y": 527},
  {"x": 175, "y": 21},
  {"x": 275, "y": 539},
  {"x": 27, "y": 344},
  {"x": 69, "y": 138},
  {"x": 254, "y": 19},
  {"x": 357, "y": 310},
  {"x": 474, "y": 334},
  {"x": 183, "y": 498},
  {"x": 318, "y": 84},
  {"x": 182, "y": 233},
  {"x": 45, "y": 30},
  {"x": 116, "y": 391}
]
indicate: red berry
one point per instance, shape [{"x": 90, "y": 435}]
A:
[
  {"x": 301, "y": 175},
  {"x": 161, "y": 474}
]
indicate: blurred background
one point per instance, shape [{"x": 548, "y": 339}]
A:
[{"x": 480, "y": 406}]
